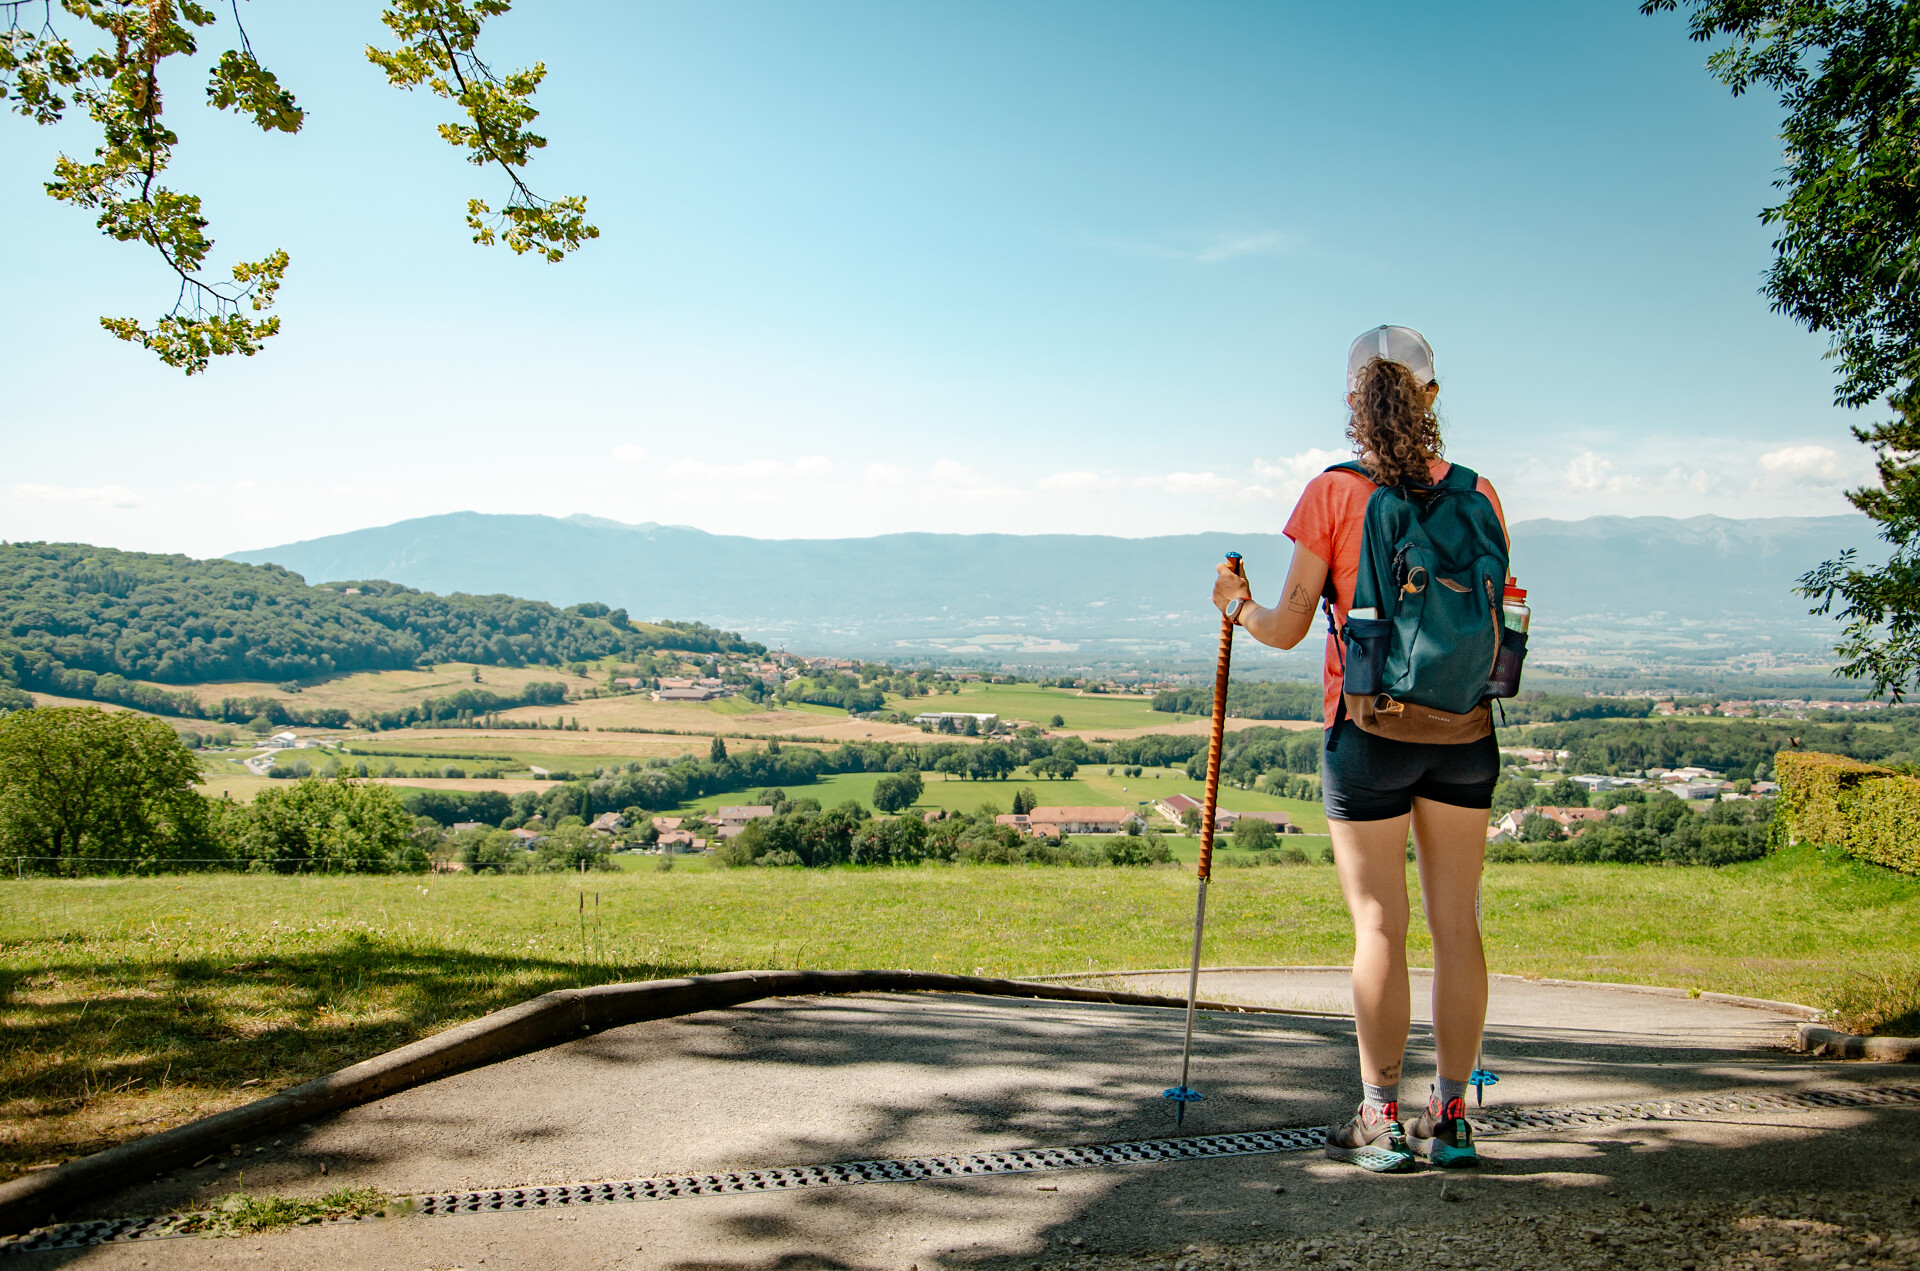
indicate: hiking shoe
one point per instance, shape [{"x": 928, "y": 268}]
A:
[
  {"x": 1374, "y": 1140},
  {"x": 1444, "y": 1135}
]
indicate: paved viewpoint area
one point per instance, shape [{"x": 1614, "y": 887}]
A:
[{"x": 810, "y": 1081}]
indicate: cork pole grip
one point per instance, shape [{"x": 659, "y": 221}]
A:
[{"x": 1219, "y": 731}]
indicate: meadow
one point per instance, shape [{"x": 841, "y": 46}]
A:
[{"x": 130, "y": 1005}]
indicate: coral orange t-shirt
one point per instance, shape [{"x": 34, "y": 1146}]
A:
[{"x": 1327, "y": 522}]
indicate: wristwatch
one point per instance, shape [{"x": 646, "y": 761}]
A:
[{"x": 1234, "y": 607}]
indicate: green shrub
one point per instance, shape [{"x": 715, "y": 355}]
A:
[
  {"x": 1868, "y": 812},
  {"x": 1135, "y": 849},
  {"x": 1251, "y": 834},
  {"x": 329, "y": 825}
]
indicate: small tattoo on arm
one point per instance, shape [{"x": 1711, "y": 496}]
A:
[{"x": 1298, "y": 600}]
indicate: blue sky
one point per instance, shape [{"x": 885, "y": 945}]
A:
[{"x": 868, "y": 267}]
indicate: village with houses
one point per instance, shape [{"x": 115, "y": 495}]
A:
[{"x": 1692, "y": 784}]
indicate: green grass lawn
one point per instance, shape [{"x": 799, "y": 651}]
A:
[{"x": 130, "y": 1005}]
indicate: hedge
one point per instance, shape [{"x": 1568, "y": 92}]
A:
[{"x": 1868, "y": 812}]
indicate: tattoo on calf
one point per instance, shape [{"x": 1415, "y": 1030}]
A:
[
  {"x": 1298, "y": 600},
  {"x": 1390, "y": 1073}
]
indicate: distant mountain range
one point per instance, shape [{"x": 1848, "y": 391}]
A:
[{"x": 1604, "y": 582}]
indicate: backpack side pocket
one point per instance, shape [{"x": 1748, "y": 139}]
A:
[
  {"x": 1505, "y": 680},
  {"x": 1367, "y": 641}
]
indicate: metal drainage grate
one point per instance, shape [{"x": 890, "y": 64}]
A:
[
  {"x": 980, "y": 1164},
  {"x": 906, "y": 1170}
]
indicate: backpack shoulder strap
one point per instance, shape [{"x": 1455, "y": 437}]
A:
[
  {"x": 1461, "y": 477},
  {"x": 1356, "y": 467}
]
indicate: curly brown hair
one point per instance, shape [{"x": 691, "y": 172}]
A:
[{"x": 1393, "y": 426}]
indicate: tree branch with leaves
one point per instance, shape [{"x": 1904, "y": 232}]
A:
[
  {"x": 1847, "y": 264},
  {"x": 43, "y": 74}
]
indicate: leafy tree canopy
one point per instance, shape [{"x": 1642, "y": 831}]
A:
[
  {"x": 1847, "y": 264},
  {"x": 81, "y": 788},
  {"x": 115, "y": 70}
]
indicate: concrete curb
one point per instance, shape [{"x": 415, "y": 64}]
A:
[
  {"x": 1815, "y": 1040},
  {"x": 547, "y": 1020},
  {"x": 1659, "y": 990}
]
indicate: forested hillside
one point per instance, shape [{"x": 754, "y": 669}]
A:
[{"x": 71, "y": 613}]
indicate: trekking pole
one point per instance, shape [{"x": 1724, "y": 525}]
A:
[
  {"x": 1183, "y": 1094},
  {"x": 1481, "y": 1078}
]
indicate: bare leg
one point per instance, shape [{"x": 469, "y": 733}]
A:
[
  {"x": 1371, "y": 857},
  {"x": 1451, "y": 843}
]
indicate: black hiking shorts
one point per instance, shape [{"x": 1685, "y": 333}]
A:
[{"x": 1369, "y": 778}]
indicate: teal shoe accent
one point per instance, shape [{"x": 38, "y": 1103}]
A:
[{"x": 1449, "y": 1157}]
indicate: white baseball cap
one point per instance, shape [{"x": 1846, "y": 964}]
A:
[{"x": 1395, "y": 344}]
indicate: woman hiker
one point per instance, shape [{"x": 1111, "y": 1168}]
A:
[{"x": 1376, "y": 786}]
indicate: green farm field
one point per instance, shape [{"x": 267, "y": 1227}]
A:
[
  {"x": 130, "y": 1005},
  {"x": 1038, "y": 705}
]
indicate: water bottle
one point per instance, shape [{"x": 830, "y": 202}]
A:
[{"x": 1514, "y": 614}]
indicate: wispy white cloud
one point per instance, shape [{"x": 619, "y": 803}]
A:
[
  {"x": 811, "y": 466},
  {"x": 1079, "y": 482},
  {"x": 1812, "y": 465},
  {"x": 1194, "y": 483},
  {"x": 954, "y": 473},
  {"x": 887, "y": 476},
  {"x": 627, "y": 452},
  {"x": 1591, "y": 472},
  {"x": 100, "y": 496},
  {"x": 1209, "y": 249},
  {"x": 969, "y": 483},
  {"x": 1298, "y": 469}
]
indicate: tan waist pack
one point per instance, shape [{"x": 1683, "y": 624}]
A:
[{"x": 1386, "y": 716}]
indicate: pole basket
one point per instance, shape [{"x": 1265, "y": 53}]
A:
[
  {"x": 1480, "y": 1080},
  {"x": 1181, "y": 1097}
]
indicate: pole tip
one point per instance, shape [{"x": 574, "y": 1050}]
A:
[{"x": 1233, "y": 555}]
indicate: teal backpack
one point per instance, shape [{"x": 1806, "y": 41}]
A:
[{"x": 1433, "y": 566}]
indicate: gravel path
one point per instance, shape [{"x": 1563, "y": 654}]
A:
[{"x": 1843, "y": 1230}]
